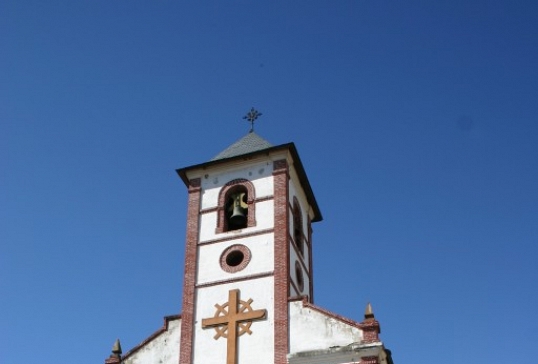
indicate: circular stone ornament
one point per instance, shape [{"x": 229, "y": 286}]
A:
[{"x": 235, "y": 258}]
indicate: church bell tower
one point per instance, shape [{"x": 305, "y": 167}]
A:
[
  {"x": 248, "y": 284},
  {"x": 248, "y": 253}
]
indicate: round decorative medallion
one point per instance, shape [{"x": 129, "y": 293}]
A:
[{"x": 235, "y": 258}]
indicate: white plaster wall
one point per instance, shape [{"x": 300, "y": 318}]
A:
[
  {"x": 293, "y": 292},
  {"x": 313, "y": 330},
  {"x": 293, "y": 258},
  {"x": 262, "y": 258},
  {"x": 294, "y": 254},
  {"x": 259, "y": 173},
  {"x": 256, "y": 348},
  {"x": 298, "y": 192},
  {"x": 264, "y": 220},
  {"x": 164, "y": 349}
]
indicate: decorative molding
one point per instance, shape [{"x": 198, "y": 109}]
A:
[
  {"x": 235, "y": 280},
  {"x": 235, "y": 236}
]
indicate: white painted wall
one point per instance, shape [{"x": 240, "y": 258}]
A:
[
  {"x": 163, "y": 349},
  {"x": 260, "y": 174},
  {"x": 262, "y": 258},
  {"x": 256, "y": 348},
  {"x": 313, "y": 330},
  {"x": 294, "y": 257},
  {"x": 264, "y": 220}
]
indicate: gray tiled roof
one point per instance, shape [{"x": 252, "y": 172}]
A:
[{"x": 251, "y": 142}]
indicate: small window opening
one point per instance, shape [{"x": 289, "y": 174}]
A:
[{"x": 234, "y": 258}]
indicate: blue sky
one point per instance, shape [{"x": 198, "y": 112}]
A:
[{"x": 416, "y": 122}]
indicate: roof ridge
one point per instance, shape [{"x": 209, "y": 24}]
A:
[{"x": 251, "y": 142}]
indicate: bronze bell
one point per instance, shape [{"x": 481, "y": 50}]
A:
[{"x": 238, "y": 208}]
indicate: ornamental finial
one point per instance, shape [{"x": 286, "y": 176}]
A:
[{"x": 251, "y": 116}]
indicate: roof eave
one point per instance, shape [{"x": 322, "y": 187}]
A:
[{"x": 182, "y": 172}]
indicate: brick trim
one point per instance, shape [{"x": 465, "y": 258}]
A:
[
  {"x": 369, "y": 360},
  {"x": 281, "y": 246},
  {"x": 247, "y": 255},
  {"x": 234, "y": 280},
  {"x": 371, "y": 329},
  {"x": 191, "y": 257},
  {"x": 251, "y": 201}
]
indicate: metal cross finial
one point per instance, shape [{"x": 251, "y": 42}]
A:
[{"x": 251, "y": 116}]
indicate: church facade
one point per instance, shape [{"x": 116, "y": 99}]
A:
[{"x": 248, "y": 293}]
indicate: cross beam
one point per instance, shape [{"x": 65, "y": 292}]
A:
[{"x": 238, "y": 312}]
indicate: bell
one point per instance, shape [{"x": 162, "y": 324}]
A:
[{"x": 238, "y": 218}]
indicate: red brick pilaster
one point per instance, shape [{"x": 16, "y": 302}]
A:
[
  {"x": 113, "y": 360},
  {"x": 187, "y": 316},
  {"x": 371, "y": 330},
  {"x": 281, "y": 245},
  {"x": 369, "y": 360}
]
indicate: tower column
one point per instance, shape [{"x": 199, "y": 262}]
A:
[
  {"x": 191, "y": 252},
  {"x": 281, "y": 246}
]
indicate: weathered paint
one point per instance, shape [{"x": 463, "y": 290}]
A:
[
  {"x": 313, "y": 330},
  {"x": 160, "y": 349}
]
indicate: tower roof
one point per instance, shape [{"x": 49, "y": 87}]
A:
[
  {"x": 251, "y": 142},
  {"x": 251, "y": 145}
]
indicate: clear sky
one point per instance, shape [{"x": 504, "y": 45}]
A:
[{"x": 416, "y": 122}]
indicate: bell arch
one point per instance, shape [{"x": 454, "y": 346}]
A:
[
  {"x": 298, "y": 234},
  {"x": 236, "y": 199}
]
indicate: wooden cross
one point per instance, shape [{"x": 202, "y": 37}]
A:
[{"x": 231, "y": 320}]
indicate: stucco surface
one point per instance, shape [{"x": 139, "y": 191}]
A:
[
  {"x": 262, "y": 261},
  {"x": 162, "y": 349},
  {"x": 313, "y": 330},
  {"x": 254, "y": 348}
]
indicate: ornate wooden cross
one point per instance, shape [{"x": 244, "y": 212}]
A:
[{"x": 232, "y": 320}]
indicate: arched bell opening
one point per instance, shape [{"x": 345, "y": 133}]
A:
[
  {"x": 236, "y": 209},
  {"x": 298, "y": 227}
]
